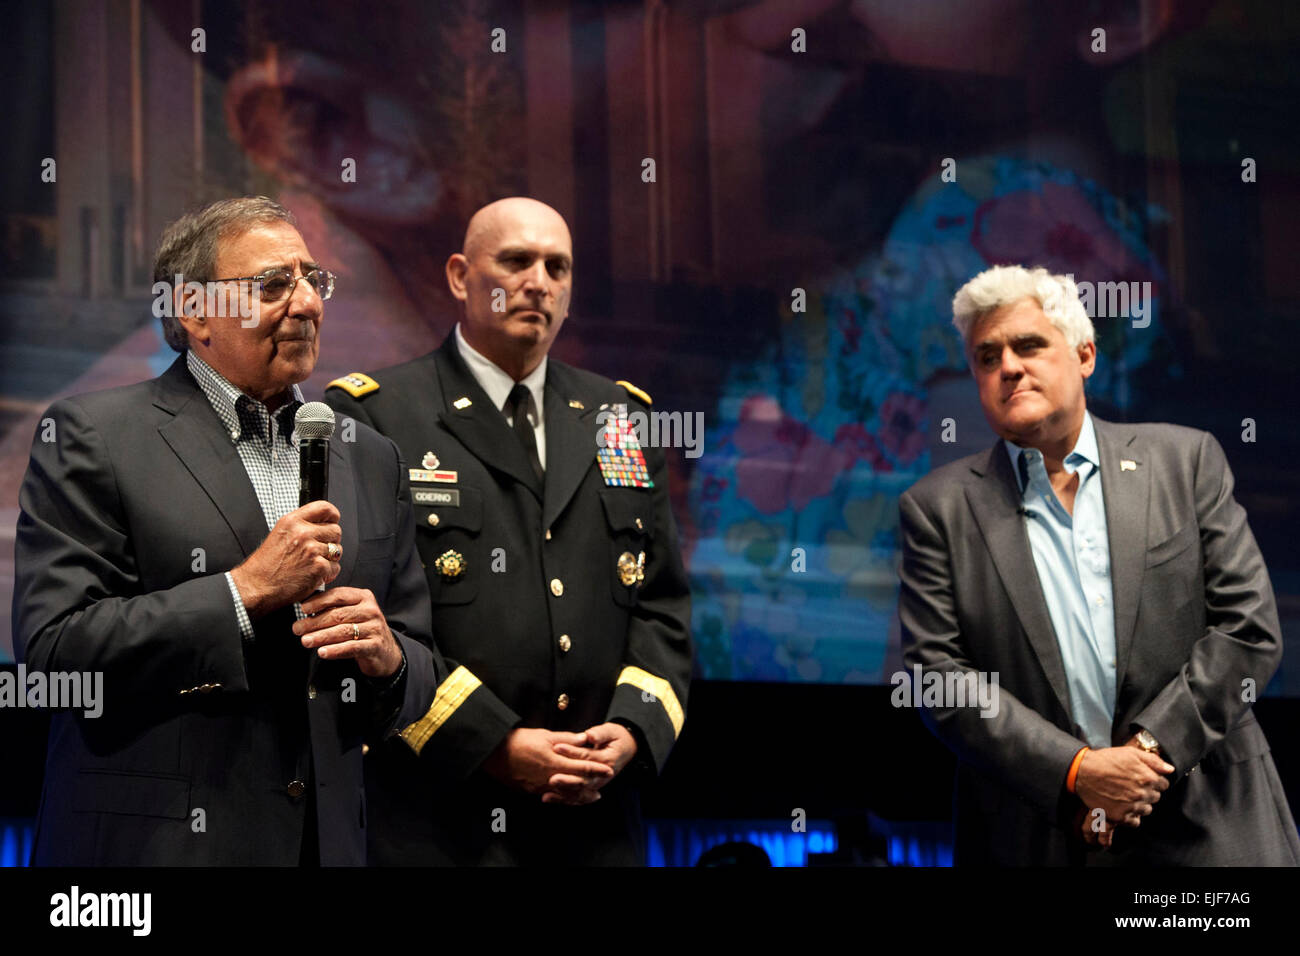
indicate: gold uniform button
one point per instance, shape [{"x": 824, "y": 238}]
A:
[
  {"x": 296, "y": 789},
  {"x": 433, "y": 520},
  {"x": 565, "y": 643},
  {"x": 557, "y": 586},
  {"x": 563, "y": 702},
  {"x": 548, "y": 534}
]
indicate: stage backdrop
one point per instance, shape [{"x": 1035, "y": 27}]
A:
[{"x": 772, "y": 205}]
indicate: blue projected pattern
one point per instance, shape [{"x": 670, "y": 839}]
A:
[
  {"x": 16, "y": 842},
  {"x": 918, "y": 851},
  {"x": 682, "y": 842},
  {"x": 672, "y": 842},
  {"x": 914, "y": 842}
]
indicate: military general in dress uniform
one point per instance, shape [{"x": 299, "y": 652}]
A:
[{"x": 559, "y": 598}]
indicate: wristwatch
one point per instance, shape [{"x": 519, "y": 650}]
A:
[{"x": 1148, "y": 742}]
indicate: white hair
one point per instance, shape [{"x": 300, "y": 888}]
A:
[{"x": 1004, "y": 285}]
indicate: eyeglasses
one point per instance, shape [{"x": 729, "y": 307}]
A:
[{"x": 278, "y": 284}]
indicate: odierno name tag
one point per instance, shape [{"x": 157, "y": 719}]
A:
[
  {"x": 425, "y": 474},
  {"x": 449, "y": 497}
]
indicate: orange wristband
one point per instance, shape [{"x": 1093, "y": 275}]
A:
[{"x": 1074, "y": 769}]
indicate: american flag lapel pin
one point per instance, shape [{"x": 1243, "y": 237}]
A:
[{"x": 1126, "y": 464}]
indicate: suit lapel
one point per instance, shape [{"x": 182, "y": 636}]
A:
[
  {"x": 479, "y": 426},
  {"x": 995, "y": 502},
  {"x": 197, "y": 437},
  {"x": 1126, "y": 491},
  {"x": 570, "y": 445}
]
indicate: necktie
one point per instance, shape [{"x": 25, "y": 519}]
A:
[{"x": 517, "y": 410}]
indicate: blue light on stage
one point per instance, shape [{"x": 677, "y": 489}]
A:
[
  {"x": 15, "y": 842},
  {"x": 914, "y": 842},
  {"x": 683, "y": 842}
]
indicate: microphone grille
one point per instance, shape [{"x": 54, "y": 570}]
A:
[{"x": 314, "y": 420}]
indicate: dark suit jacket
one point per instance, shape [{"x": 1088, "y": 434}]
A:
[
  {"x": 109, "y": 578},
  {"x": 1194, "y": 619},
  {"x": 503, "y": 629}
]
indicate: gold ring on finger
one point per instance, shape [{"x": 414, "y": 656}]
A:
[
  {"x": 356, "y": 632},
  {"x": 333, "y": 550}
]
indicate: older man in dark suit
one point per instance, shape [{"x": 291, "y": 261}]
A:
[
  {"x": 1106, "y": 576},
  {"x": 161, "y": 543}
]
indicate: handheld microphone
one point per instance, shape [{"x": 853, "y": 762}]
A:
[{"x": 314, "y": 423}]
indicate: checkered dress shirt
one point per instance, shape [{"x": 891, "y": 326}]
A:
[{"x": 268, "y": 448}]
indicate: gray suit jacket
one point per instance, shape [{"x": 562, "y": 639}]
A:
[
  {"x": 1195, "y": 618},
  {"x": 108, "y": 580}
]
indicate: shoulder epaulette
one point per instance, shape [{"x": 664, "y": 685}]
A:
[
  {"x": 356, "y": 384},
  {"x": 636, "y": 392}
]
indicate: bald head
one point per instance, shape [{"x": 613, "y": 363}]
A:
[
  {"x": 514, "y": 277},
  {"x": 500, "y": 218}
]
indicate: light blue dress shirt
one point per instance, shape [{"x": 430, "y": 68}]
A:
[{"x": 1072, "y": 555}]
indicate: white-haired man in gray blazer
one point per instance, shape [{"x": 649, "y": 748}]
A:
[{"x": 1105, "y": 574}]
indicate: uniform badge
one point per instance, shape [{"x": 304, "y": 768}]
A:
[
  {"x": 446, "y": 497},
  {"x": 621, "y": 460},
  {"x": 429, "y": 461},
  {"x": 450, "y": 564},
  {"x": 631, "y": 570},
  {"x": 425, "y": 474},
  {"x": 357, "y": 384}
]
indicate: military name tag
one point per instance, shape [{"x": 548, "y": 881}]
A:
[
  {"x": 622, "y": 462},
  {"x": 425, "y": 474},
  {"x": 449, "y": 498}
]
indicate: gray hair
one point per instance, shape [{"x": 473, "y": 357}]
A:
[
  {"x": 1004, "y": 285},
  {"x": 188, "y": 246}
]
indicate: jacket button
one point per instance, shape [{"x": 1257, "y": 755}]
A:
[
  {"x": 311, "y": 692},
  {"x": 433, "y": 520},
  {"x": 565, "y": 643},
  {"x": 548, "y": 534},
  {"x": 563, "y": 702},
  {"x": 557, "y": 586},
  {"x": 296, "y": 789}
]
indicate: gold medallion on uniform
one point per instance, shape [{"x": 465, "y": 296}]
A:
[
  {"x": 631, "y": 570},
  {"x": 450, "y": 564}
]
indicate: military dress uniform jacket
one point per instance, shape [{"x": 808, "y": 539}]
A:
[
  {"x": 206, "y": 745},
  {"x": 559, "y": 603}
]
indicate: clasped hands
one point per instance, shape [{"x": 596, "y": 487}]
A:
[
  {"x": 1123, "y": 782},
  {"x": 562, "y": 767}
]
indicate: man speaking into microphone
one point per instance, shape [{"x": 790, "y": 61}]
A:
[{"x": 255, "y": 622}]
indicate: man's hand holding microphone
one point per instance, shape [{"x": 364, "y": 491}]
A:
[{"x": 302, "y": 554}]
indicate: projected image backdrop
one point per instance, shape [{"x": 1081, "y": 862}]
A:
[{"x": 786, "y": 268}]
